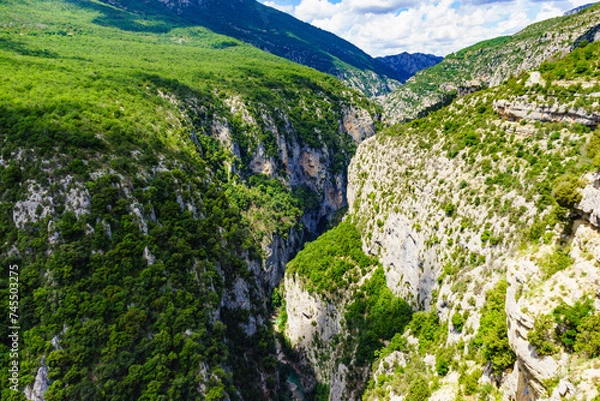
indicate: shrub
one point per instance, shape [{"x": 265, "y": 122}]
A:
[
  {"x": 418, "y": 390},
  {"x": 322, "y": 392},
  {"x": 470, "y": 381},
  {"x": 443, "y": 360},
  {"x": 458, "y": 321},
  {"x": 541, "y": 337},
  {"x": 588, "y": 336},
  {"x": 556, "y": 261},
  {"x": 492, "y": 337},
  {"x": 566, "y": 190},
  {"x": 593, "y": 148},
  {"x": 398, "y": 343},
  {"x": 426, "y": 327},
  {"x": 449, "y": 209},
  {"x": 568, "y": 318}
]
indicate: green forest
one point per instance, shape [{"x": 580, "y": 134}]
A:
[{"x": 118, "y": 109}]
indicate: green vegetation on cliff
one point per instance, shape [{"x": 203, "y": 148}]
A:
[
  {"x": 330, "y": 268},
  {"x": 374, "y": 316},
  {"x": 327, "y": 265},
  {"x": 492, "y": 338},
  {"x": 573, "y": 327}
]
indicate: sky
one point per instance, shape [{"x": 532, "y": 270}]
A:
[{"x": 385, "y": 27}]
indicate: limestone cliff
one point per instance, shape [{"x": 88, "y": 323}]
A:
[
  {"x": 299, "y": 165},
  {"x": 533, "y": 294},
  {"x": 484, "y": 216}
]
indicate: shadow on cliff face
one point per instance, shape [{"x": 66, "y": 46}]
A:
[
  {"x": 591, "y": 35},
  {"x": 322, "y": 225}
]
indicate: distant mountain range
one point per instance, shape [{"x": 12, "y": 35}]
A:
[
  {"x": 408, "y": 64},
  {"x": 578, "y": 9}
]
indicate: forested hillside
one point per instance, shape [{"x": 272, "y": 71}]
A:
[
  {"x": 266, "y": 28},
  {"x": 154, "y": 181}
]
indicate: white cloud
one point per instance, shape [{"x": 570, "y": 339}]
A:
[
  {"x": 382, "y": 27},
  {"x": 285, "y": 8}
]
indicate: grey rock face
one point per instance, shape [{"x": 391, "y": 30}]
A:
[
  {"x": 589, "y": 205},
  {"x": 40, "y": 385},
  {"x": 314, "y": 327}
]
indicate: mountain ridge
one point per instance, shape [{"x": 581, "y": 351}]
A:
[
  {"x": 489, "y": 63},
  {"x": 578, "y": 9}
]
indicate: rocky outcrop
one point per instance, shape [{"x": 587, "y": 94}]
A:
[
  {"x": 531, "y": 295},
  {"x": 358, "y": 123},
  {"x": 317, "y": 329},
  {"x": 368, "y": 82},
  {"x": 589, "y": 206},
  {"x": 591, "y": 35},
  {"x": 309, "y": 317},
  {"x": 37, "y": 391},
  {"x": 35, "y": 207},
  {"x": 524, "y": 109},
  {"x": 312, "y": 323},
  {"x": 296, "y": 163},
  {"x": 278, "y": 251},
  {"x": 398, "y": 193},
  {"x": 532, "y": 369},
  {"x": 402, "y": 249}
]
